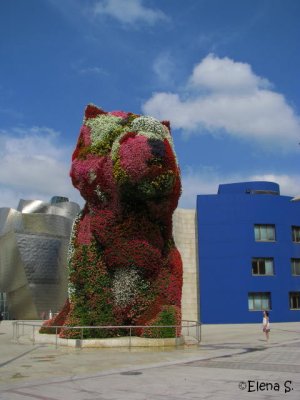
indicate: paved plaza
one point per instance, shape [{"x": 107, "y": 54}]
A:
[{"x": 232, "y": 362}]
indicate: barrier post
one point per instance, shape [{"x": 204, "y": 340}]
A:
[
  {"x": 33, "y": 335},
  {"x": 198, "y": 332},
  {"x": 14, "y": 328}
]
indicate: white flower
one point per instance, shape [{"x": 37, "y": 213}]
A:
[
  {"x": 92, "y": 176},
  {"x": 102, "y": 127},
  {"x": 71, "y": 248},
  {"x": 126, "y": 286},
  {"x": 149, "y": 124},
  {"x": 101, "y": 195}
]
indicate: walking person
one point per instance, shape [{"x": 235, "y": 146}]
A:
[{"x": 266, "y": 324}]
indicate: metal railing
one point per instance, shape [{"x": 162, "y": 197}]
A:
[{"x": 190, "y": 329}]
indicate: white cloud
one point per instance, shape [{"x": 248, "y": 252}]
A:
[
  {"x": 33, "y": 165},
  {"x": 225, "y": 75},
  {"x": 289, "y": 184},
  {"x": 129, "y": 11},
  {"x": 10, "y": 112},
  {"x": 93, "y": 70},
  {"x": 163, "y": 67},
  {"x": 225, "y": 97},
  {"x": 207, "y": 180},
  {"x": 80, "y": 67}
]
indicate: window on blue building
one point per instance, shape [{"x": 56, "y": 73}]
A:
[
  {"x": 264, "y": 233},
  {"x": 262, "y": 266},
  {"x": 259, "y": 301},
  {"x": 296, "y": 234},
  {"x": 295, "y": 300},
  {"x": 295, "y": 263}
]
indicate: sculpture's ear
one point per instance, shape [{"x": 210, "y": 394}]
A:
[
  {"x": 92, "y": 111},
  {"x": 167, "y": 124}
]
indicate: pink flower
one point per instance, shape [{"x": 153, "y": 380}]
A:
[
  {"x": 86, "y": 136},
  {"x": 121, "y": 114},
  {"x": 84, "y": 235},
  {"x": 134, "y": 154}
]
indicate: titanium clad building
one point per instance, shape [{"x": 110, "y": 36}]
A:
[
  {"x": 33, "y": 257},
  {"x": 249, "y": 254}
]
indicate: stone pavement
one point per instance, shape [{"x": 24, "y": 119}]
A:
[{"x": 232, "y": 362}]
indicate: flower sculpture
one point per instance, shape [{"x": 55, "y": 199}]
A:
[{"x": 124, "y": 268}]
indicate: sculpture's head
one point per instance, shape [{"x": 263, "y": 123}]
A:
[{"x": 125, "y": 153}]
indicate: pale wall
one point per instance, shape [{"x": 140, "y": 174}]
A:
[{"x": 185, "y": 236}]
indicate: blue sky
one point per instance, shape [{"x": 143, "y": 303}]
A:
[{"x": 225, "y": 73}]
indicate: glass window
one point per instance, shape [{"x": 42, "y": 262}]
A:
[
  {"x": 259, "y": 301},
  {"x": 295, "y": 263},
  {"x": 250, "y": 303},
  {"x": 295, "y": 300},
  {"x": 262, "y": 266},
  {"x": 264, "y": 233},
  {"x": 296, "y": 234},
  {"x": 265, "y": 303}
]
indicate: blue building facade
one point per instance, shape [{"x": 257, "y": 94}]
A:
[{"x": 249, "y": 254}]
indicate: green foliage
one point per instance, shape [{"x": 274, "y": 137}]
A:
[{"x": 166, "y": 317}]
